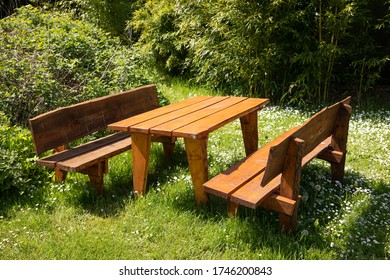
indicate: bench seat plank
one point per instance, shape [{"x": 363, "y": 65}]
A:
[
  {"x": 86, "y": 155},
  {"x": 270, "y": 176},
  {"x": 252, "y": 193},
  {"x": 225, "y": 183},
  {"x": 81, "y": 162}
]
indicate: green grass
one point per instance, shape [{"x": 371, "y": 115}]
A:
[{"x": 70, "y": 221}]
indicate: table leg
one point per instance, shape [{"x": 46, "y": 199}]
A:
[
  {"x": 250, "y": 132},
  {"x": 141, "y": 153},
  {"x": 196, "y": 150}
]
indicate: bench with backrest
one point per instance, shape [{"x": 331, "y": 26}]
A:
[
  {"x": 270, "y": 176},
  {"x": 57, "y": 129}
]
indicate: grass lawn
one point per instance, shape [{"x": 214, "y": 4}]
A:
[{"x": 336, "y": 221}]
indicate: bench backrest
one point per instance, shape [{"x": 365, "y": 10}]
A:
[
  {"x": 64, "y": 125},
  {"x": 315, "y": 130}
]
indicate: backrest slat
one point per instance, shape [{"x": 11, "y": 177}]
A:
[
  {"x": 315, "y": 130},
  {"x": 66, "y": 124}
]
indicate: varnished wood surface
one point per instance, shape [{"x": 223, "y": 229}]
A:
[
  {"x": 126, "y": 124},
  {"x": 270, "y": 176},
  {"x": 74, "y": 159},
  {"x": 66, "y": 124},
  {"x": 191, "y": 118},
  {"x": 59, "y": 128},
  {"x": 315, "y": 130}
]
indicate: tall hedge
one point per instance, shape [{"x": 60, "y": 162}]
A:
[
  {"x": 50, "y": 59},
  {"x": 290, "y": 51}
]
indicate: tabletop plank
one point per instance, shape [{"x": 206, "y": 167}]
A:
[
  {"x": 204, "y": 126},
  {"x": 167, "y": 128},
  {"x": 126, "y": 123},
  {"x": 146, "y": 126}
]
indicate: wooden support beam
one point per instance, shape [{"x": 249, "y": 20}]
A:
[
  {"x": 141, "y": 154},
  {"x": 339, "y": 141},
  {"x": 232, "y": 208},
  {"x": 331, "y": 156},
  {"x": 280, "y": 204},
  {"x": 289, "y": 186},
  {"x": 95, "y": 174},
  {"x": 250, "y": 135},
  {"x": 60, "y": 175},
  {"x": 196, "y": 150}
]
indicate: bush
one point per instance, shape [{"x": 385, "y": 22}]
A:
[
  {"x": 17, "y": 160},
  {"x": 289, "y": 51},
  {"x": 109, "y": 15},
  {"x": 163, "y": 46},
  {"x": 50, "y": 59},
  {"x": 7, "y": 8}
]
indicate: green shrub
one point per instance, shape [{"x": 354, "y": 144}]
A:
[
  {"x": 50, "y": 59},
  {"x": 109, "y": 15},
  {"x": 289, "y": 51},
  {"x": 162, "y": 45},
  {"x": 17, "y": 160}
]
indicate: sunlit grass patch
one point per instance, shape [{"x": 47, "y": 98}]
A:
[
  {"x": 349, "y": 220},
  {"x": 369, "y": 144}
]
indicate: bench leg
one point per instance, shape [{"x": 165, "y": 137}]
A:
[
  {"x": 337, "y": 170},
  {"x": 96, "y": 174},
  {"x": 339, "y": 141},
  {"x": 60, "y": 175},
  {"x": 97, "y": 183},
  {"x": 289, "y": 223},
  {"x": 289, "y": 185},
  {"x": 249, "y": 129},
  {"x": 337, "y": 163},
  {"x": 168, "y": 149}
]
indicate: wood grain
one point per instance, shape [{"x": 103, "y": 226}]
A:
[{"x": 66, "y": 124}]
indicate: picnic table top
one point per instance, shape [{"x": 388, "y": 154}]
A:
[{"x": 190, "y": 118}]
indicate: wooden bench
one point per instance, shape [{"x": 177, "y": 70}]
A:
[
  {"x": 270, "y": 176},
  {"x": 61, "y": 127}
]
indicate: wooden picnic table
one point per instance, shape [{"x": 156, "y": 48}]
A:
[{"x": 193, "y": 119}]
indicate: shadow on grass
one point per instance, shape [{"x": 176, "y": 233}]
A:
[
  {"x": 27, "y": 197},
  {"x": 77, "y": 191},
  {"x": 348, "y": 221},
  {"x": 119, "y": 190}
]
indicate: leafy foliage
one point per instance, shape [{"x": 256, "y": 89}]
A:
[
  {"x": 49, "y": 59},
  {"x": 8, "y": 7},
  {"x": 159, "y": 40},
  {"x": 348, "y": 221},
  {"x": 107, "y": 14},
  {"x": 290, "y": 51},
  {"x": 17, "y": 162}
]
